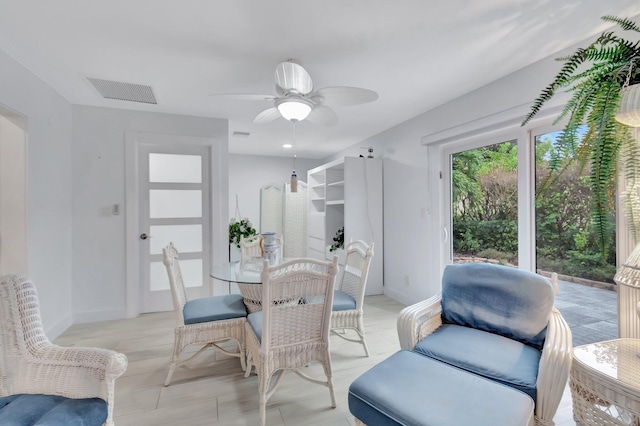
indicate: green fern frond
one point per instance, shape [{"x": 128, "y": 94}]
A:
[
  {"x": 603, "y": 155},
  {"x": 594, "y": 77},
  {"x": 564, "y": 75},
  {"x": 624, "y": 23}
]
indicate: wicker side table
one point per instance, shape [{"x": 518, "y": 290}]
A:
[{"x": 605, "y": 383}]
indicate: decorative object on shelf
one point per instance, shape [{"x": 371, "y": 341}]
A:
[
  {"x": 369, "y": 150},
  {"x": 601, "y": 78},
  {"x": 238, "y": 227},
  {"x": 338, "y": 240},
  {"x": 628, "y": 280}
]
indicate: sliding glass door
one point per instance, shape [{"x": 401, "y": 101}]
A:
[{"x": 565, "y": 238}]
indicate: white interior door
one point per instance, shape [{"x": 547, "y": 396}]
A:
[{"x": 174, "y": 207}]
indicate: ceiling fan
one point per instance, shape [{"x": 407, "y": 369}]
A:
[{"x": 296, "y": 100}]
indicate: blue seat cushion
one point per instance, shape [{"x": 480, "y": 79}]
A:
[
  {"x": 411, "y": 389},
  {"x": 489, "y": 355},
  {"x": 342, "y": 301},
  {"x": 508, "y": 301},
  {"x": 255, "y": 321},
  {"x": 214, "y": 308},
  {"x": 51, "y": 410}
]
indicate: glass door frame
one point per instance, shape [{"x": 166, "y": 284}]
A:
[
  {"x": 439, "y": 155},
  {"x": 439, "y": 162}
]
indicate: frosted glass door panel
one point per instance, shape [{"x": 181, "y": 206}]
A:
[
  {"x": 175, "y": 168},
  {"x": 186, "y": 238},
  {"x": 158, "y": 279},
  {"x": 172, "y": 203},
  {"x": 191, "y": 274}
]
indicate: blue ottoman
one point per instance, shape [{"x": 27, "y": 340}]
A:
[
  {"x": 51, "y": 410},
  {"x": 411, "y": 389}
]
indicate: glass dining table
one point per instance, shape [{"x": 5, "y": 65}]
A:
[{"x": 247, "y": 276}]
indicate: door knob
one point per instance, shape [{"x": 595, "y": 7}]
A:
[{"x": 144, "y": 236}]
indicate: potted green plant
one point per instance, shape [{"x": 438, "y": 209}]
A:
[
  {"x": 338, "y": 240},
  {"x": 241, "y": 228},
  {"x": 598, "y": 77}
]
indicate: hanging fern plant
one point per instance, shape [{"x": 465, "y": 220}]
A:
[{"x": 596, "y": 76}]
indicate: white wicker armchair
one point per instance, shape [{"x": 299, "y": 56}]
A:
[
  {"x": 31, "y": 364},
  {"x": 208, "y": 333},
  {"x": 352, "y": 285},
  {"x": 417, "y": 321},
  {"x": 292, "y": 330}
]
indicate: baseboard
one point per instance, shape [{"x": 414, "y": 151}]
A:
[
  {"x": 58, "y": 328},
  {"x": 399, "y": 296}
]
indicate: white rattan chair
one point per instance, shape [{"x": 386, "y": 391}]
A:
[
  {"x": 348, "y": 300},
  {"x": 207, "y": 322},
  {"x": 418, "y": 321},
  {"x": 250, "y": 248},
  {"x": 31, "y": 364},
  {"x": 292, "y": 330}
]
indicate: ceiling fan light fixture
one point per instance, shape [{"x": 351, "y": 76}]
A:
[{"x": 294, "y": 109}]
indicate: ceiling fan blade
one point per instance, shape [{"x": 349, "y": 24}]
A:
[
  {"x": 267, "y": 116},
  {"x": 342, "y": 95},
  {"x": 321, "y": 114},
  {"x": 242, "y": 97},
  {"x": 294, "y": 78}
]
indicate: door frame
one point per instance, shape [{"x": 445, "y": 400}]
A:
[
  {"x": 161, "y": 300},
  {"x": 218, "y": 205}
]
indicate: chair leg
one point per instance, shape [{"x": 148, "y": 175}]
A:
[
  {"x": 360, "y": 332},
  {"x": 247, "y": 370},
  {"x": 175, "y": 356},
  {"x": 263, "y": 385},
  {"x": 172, "y": 368},
  {"x": 243, "y": 356},
  {"x": 327, "y": 372}
]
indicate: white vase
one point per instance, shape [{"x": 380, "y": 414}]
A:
[{"x": 270, "y": 250}]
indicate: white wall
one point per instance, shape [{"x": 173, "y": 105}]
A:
[
  {"x": 49, "y": 188},
  {"x": 13, "y": 194},
  {"x": 409, "y": 245},
  {"x": 249, "y": 173},
  {"x": 99, "y": 269}
]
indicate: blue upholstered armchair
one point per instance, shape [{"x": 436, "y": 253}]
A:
[{"x": 499, "y": 323}]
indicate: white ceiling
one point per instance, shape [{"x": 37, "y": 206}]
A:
[{"x": 417, "y": 54}]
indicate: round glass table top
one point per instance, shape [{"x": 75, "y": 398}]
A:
[
  {"x": 616, "y": 359},
  {"x": 235, "y": 272}
]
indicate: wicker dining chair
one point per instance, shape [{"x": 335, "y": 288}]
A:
[
  {"x": 348, "y": 299},
  {"x": 207, "y": 321},
  {"x": 292, "y": 329},
  {"x": 250, "y": 248},
  {"x": 37, "y": 372}
]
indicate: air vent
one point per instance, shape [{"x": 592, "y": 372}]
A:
[
  {"x": 123, "y": 91},
  {"x": 241, "y": 134}
]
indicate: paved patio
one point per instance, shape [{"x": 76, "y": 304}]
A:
[{"x": 591, "y": 312}]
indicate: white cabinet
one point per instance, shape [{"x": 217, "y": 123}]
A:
[{"x": 347, "y": 193}]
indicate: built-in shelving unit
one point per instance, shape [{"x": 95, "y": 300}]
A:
[{"x": 347, "y": 193}]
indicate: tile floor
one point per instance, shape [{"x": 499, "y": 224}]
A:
[{"x": 211, "y": 390}]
